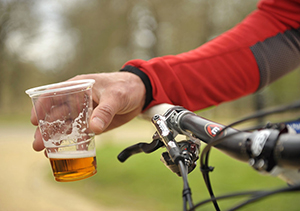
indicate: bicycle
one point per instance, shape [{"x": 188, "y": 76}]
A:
[{"x": 273, "y": 148}]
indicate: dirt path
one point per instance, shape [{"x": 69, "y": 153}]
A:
[{"x": 23, "y": 182}]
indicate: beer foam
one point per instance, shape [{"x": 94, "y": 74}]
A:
[
  {"x": 75, "y": 154},
  {"x": 60, "y": 130}
]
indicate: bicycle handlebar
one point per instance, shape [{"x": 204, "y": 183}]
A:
[
  {"x": 286, "y": 150},
  {"x": 264, "y": 149},
  {"x": 205, "y": 130},
  {"x": 272, "y": 149}
]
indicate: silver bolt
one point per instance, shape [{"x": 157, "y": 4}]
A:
[{"x": 260, "y": 164}]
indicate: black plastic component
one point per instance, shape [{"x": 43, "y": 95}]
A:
[
  {"x": 189, "y": 153},
  {"x": 233, "y": 144},
  {"x": 140, "y": 147}
]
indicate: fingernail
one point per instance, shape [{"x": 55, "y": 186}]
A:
[{"x": 98, "y": 122}]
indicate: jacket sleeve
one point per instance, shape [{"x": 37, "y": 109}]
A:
[{"x": 259, "y": 50}]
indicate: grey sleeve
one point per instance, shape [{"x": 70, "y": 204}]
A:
[{"x": 277, "y": 56}]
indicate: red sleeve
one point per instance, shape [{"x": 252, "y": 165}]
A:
[{"x": 223, "y": 69}]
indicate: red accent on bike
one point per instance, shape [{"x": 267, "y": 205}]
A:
[{"x": 213, "y": 129}]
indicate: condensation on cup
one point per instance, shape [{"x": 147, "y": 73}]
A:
[{"x": 63, "y": 112}]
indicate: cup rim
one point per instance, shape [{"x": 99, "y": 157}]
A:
[{"x": 67, "y": 85}]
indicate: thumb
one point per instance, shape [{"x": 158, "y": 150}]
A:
[{"x": 102, "y": 117}]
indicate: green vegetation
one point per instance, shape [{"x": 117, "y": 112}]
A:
[
  {"x": 144, "y": 183},
  {"x": 104, "y": 37}
]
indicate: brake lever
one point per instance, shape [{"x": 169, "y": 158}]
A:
[{"x": 141, "y": 147}]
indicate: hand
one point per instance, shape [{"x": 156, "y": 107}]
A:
[{"x": 118, "y": 98}]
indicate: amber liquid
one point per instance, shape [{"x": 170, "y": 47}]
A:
[{"x": 72, "y": 169}]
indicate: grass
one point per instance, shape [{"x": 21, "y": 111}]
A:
[{"x": 144, "y": 183}]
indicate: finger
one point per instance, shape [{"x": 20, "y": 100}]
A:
[
  {"x": 111, "y": 103},
  {"x": 33, "y": 118},
  {"x": 102, "y": 117},
  {"x": 46, "y": 153},
  {"x": 38, "y": 144},
  {"x": 42, "y": 106}
]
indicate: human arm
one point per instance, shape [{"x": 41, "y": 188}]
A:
[
  {"x": 223, "y": 69},
  {"x": 256, "y": 52}
]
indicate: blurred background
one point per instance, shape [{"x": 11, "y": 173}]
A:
[{"x": 49, "y": 41}]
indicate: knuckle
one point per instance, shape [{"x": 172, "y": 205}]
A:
[
  {"x": 106, "y": 111},
  {"x": 119, "y": 92}
]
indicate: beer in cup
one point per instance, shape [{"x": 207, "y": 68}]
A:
[{"x": 63, "y": 112}]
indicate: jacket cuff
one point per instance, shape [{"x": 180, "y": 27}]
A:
[{"x": 144, "y": 78}]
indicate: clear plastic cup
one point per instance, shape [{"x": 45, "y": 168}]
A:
[{"x": 63, "y": 112}]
